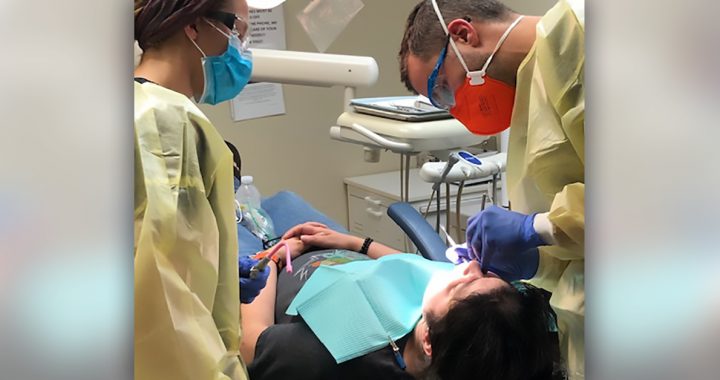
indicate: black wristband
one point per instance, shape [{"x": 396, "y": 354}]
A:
[{"x": 366, "y": 246}]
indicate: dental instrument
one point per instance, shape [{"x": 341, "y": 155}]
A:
[{"x": 262, "y": 264}]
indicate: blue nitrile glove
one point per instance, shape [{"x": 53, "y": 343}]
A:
[
  {"x": 504, "y": 242},
  {"x": 458, "y": 254},
  {"x": 250, "y": 287}
]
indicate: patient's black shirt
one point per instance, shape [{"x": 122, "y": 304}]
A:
[{"x": 290, "y": 350}]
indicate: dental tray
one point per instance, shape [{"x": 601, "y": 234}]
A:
[{"x": 405, "y": 108}]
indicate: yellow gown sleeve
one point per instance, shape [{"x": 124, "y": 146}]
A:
[{"x": 567, "y": 214}]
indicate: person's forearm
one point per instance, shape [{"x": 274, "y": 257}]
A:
[
  {"x": 375, "y": 250},
  {"x": 258, "y": 315}
]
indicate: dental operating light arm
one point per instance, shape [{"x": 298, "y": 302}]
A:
[{"x": 314, "y": 69}]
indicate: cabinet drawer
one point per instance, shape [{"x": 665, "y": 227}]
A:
[{"x": 369, "y": 218}]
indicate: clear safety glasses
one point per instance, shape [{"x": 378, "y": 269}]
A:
[
  {"x": 439, "y": 93},
  {"x": 244, "y": 44}
]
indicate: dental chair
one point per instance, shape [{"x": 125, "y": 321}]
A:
[{"x": 418, "y": 230}]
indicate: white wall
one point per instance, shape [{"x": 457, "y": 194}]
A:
[
  {"x": 294, "y": 151},
  {"x": 530, "y": 7}
]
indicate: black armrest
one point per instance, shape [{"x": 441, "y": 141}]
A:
[{"x": 428, "y": 242}]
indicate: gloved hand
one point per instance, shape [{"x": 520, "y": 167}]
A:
[
  {"x": 504, "y": 242},
  {"x": 250, "y": 287},
  {"x": 458, "y": 254}
]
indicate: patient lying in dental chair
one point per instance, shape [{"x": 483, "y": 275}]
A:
[{"x": 467, "y": 324}]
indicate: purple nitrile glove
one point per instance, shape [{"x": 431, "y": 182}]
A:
[
  {"x": 250, "y": 287},
  {"x": 504, "y": 242}
]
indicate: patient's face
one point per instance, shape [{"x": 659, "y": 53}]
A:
[{"x": 464, "y": 280}]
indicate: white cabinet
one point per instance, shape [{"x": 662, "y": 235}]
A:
[{"x": 370, "y": 196}]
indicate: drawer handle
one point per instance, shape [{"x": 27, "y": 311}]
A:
[
  {"x": 373, "y": 212},
  {"x": 372, "y": 201}
]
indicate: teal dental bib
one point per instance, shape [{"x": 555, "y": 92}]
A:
[{"x": 359, "y": 307}]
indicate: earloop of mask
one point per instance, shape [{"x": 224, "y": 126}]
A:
[
  {"x": 198, "y": 47},
  {"x": 447, "y": 33},
  {"x": 474, "y": 75},
  {"x": 500, "y": 42}
]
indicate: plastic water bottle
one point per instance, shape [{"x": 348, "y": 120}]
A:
[{"x": 254, "y": 218}]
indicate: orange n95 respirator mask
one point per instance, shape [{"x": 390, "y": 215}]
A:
[{"x": 482, "y": 104}]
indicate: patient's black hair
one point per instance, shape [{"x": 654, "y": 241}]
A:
[
  {"x": 507, "y": 334},
  {"x": 237, "y": 161}
]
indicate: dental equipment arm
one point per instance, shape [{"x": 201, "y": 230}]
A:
[
  {"x": 374, "y": 137},
  {"x": 444, "y": 171}
]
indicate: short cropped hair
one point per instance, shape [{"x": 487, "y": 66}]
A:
[
  {"x": 506, "y": 334},
  {"x": 424, "y": 37},
  {"x": 157, "y": 20}
]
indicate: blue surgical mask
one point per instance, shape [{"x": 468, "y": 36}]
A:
[
  {"x": 380, "y": 299},
  {"x": 226, "y": 74}
]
